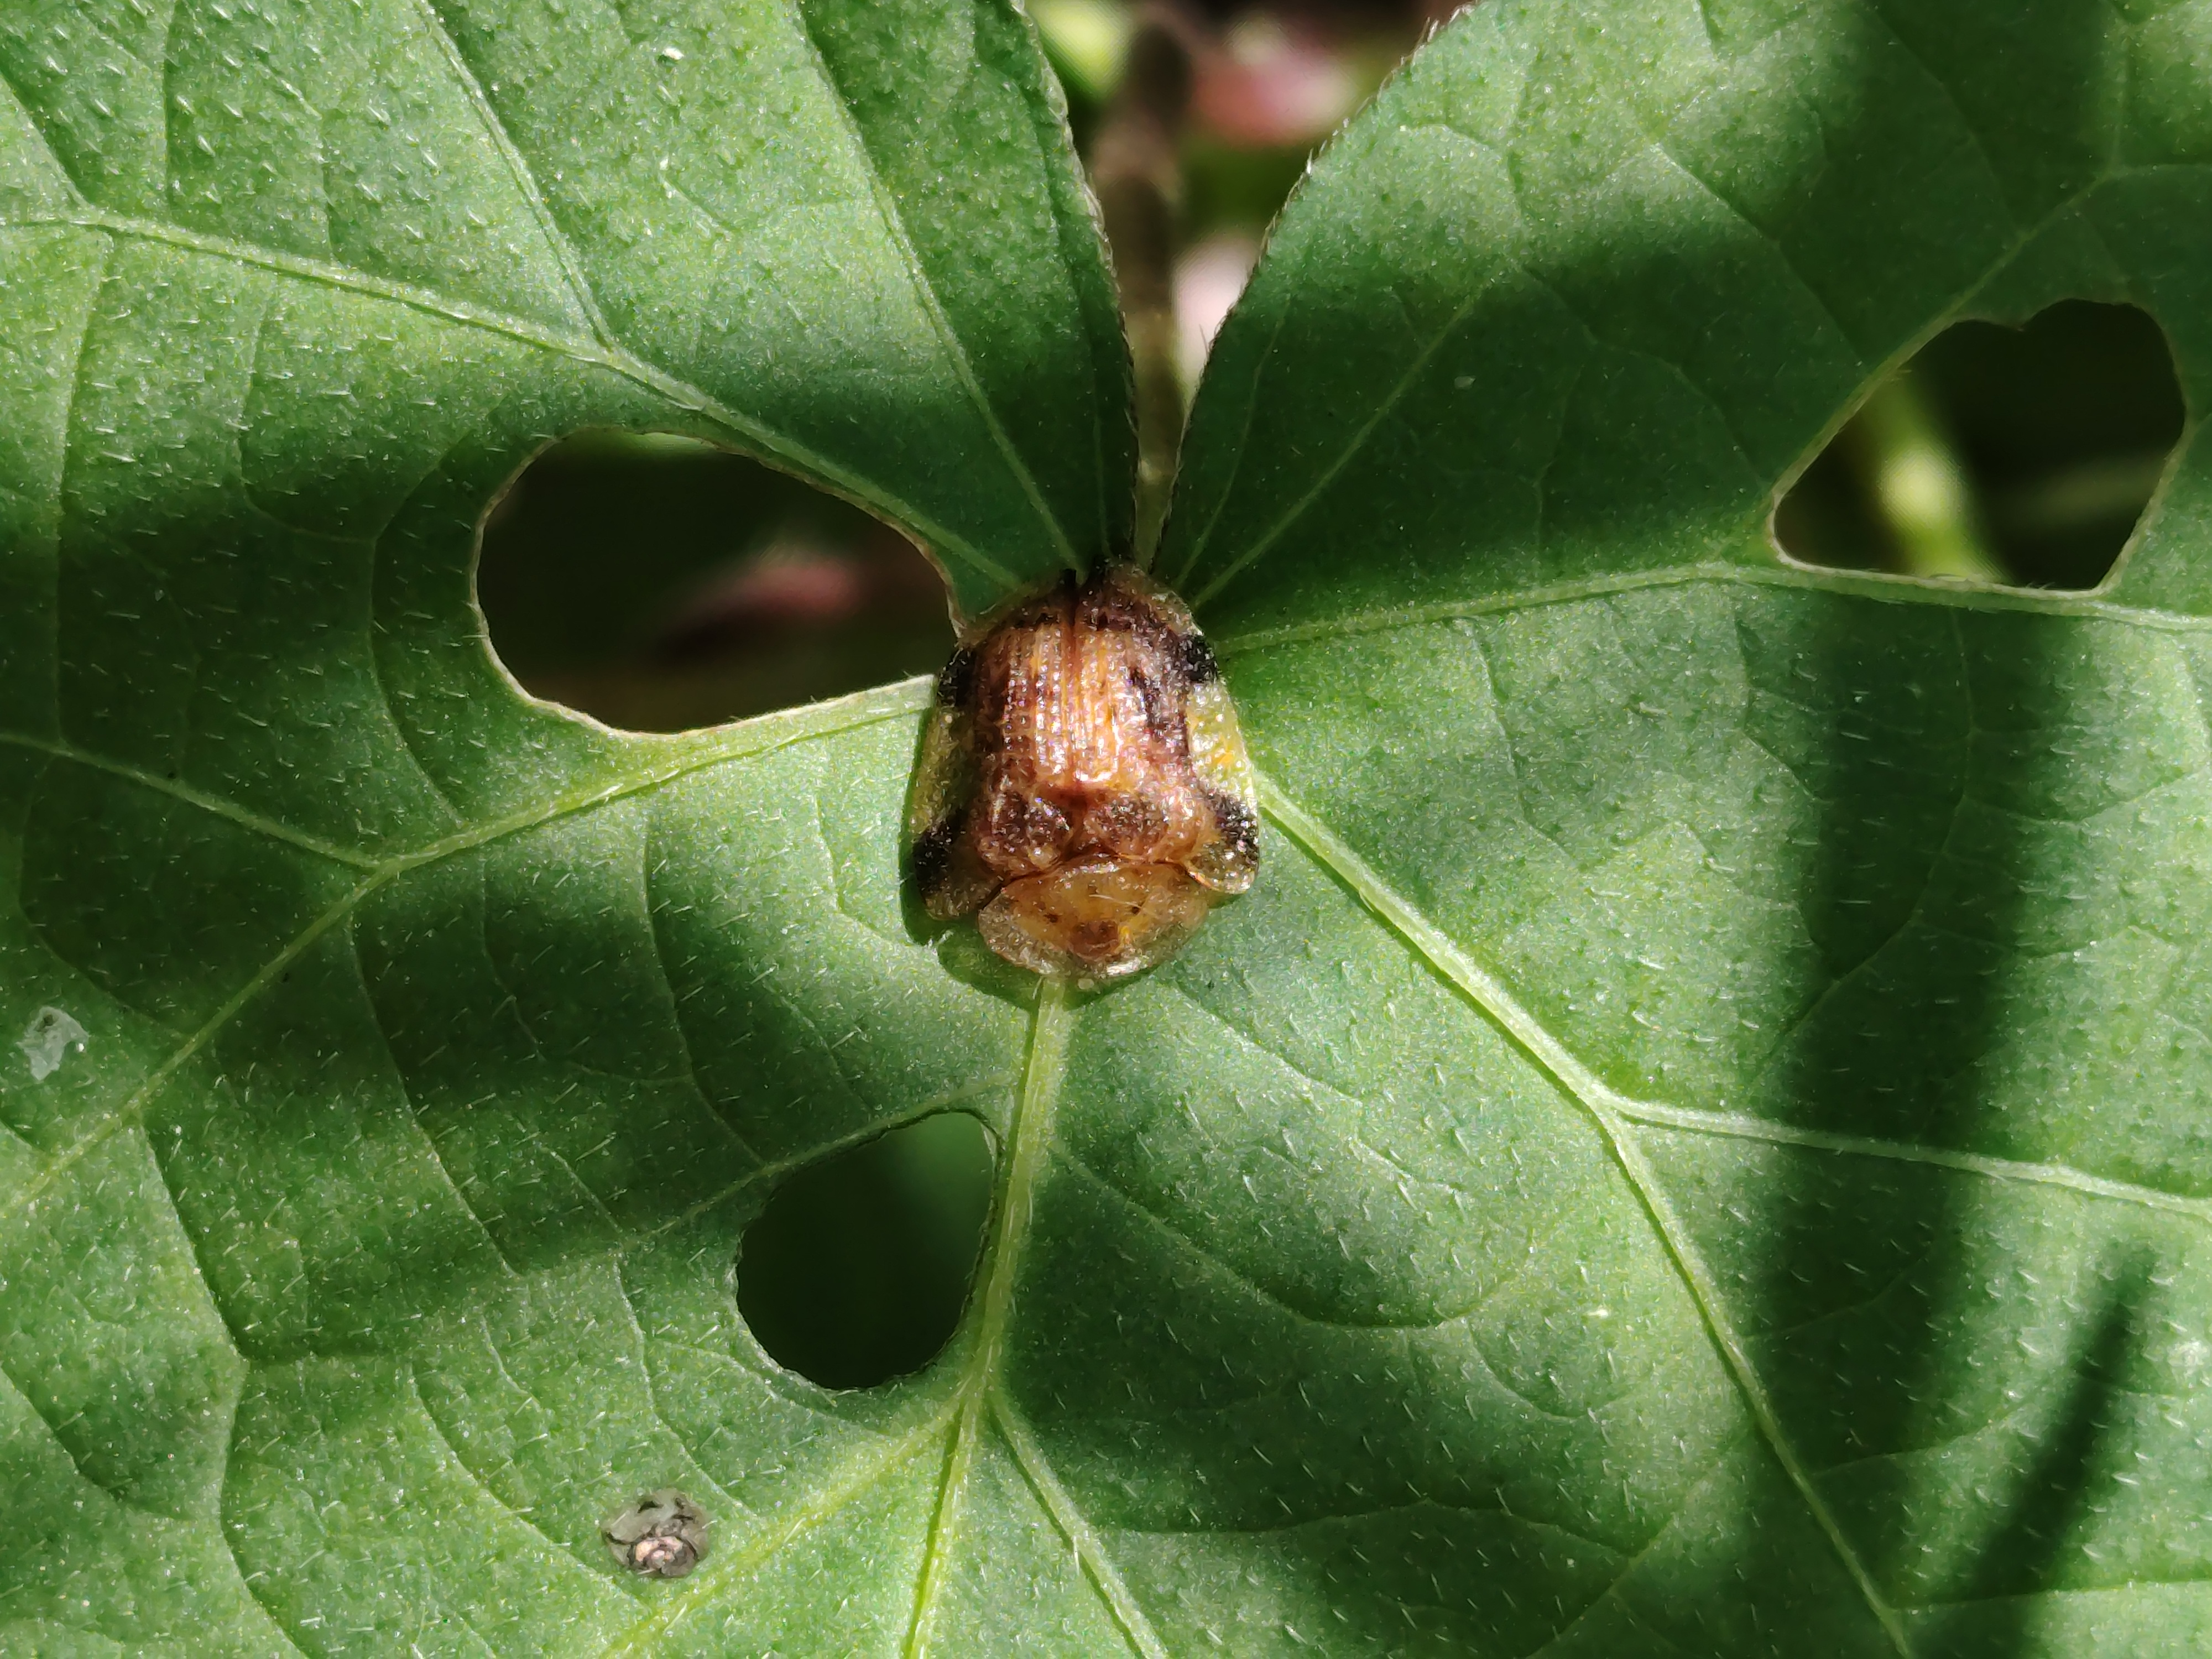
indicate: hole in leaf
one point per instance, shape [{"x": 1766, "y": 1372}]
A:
[
  {"x": 857, "y": 1270},
  {"x": 2020, "y": 455},
  {"x": 660, "y": 584}
]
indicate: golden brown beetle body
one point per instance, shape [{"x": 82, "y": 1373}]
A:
[{"x": 1083, "y": 781}]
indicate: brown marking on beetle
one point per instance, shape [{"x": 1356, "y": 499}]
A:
[{"x": 1083, "y": 783}]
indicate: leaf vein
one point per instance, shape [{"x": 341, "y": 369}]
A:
[
  {"x": 476, "y": 1480},
  {"x": 944, "y": 1522},
  {"x": 1274, "y": 1299},
  {"x": 1974, "y": 140},
  {"x": 1043, "y": 1072},
  {"x": 755, "y": 435},
  {"x": 1873, "y": 587},
  {"x": 873, "y": 1130},
  {"x": 645, "y": 1635},
  {"x": 133, "y": 1109},
  {"x": 780, "y": 730},
  {"x": 1916, "y": 912},
  {"x": 518, "y": 169},
  {"x": 1075, "y": 1527},
  {"x": 653, "y": 1393},
  {"x": 1237, "y": 453},
  {"x": 963, "y": 367},
  {"x": 1612, "y": 1591},
  {"x": 216, "y": 805},
  {"x": 1737, "y": 1126},
  {"x": 675, "y": 1004},
  {"x": 1358, "y": 441}
]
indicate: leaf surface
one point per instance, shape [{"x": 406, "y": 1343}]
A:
[{"x": 1693, "y": 1146}]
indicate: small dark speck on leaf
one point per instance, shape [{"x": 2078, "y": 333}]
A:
[{"x": 663, "y": 1534}]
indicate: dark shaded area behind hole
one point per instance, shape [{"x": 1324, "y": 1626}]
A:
[
  {"x": 2061, "y": 429},
  {"x": 660, "y": 584},
  {"x": 857, "y": 1269}
]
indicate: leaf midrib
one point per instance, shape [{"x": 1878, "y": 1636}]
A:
[{"x": 1043, "y": 1071}]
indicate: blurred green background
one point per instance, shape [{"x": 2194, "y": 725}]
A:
[{"x": 659, "y": 584}]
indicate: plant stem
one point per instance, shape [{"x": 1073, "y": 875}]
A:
[
  {"x": 1136, "y": 168},
  {"x": 1919, "y": 488}
]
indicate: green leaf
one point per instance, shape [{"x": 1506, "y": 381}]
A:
[{"x": 1693, "y": 1146}]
